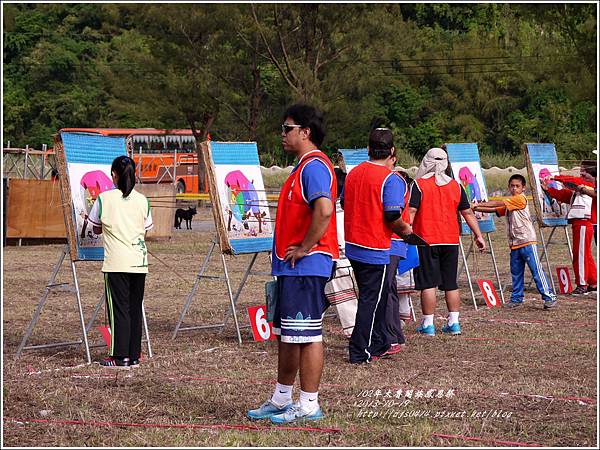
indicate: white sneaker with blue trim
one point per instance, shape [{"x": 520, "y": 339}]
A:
[
  {"x": 268, "y": 409},
  {"x": 297, "y": 414}
]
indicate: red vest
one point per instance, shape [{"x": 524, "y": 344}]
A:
[
  {"x": 294, "y": 214},
  {"x": 436, "y": 220},
  {"x": 363, "y": 207}
]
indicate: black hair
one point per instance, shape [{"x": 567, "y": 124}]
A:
[
  {"x": 381, "y": 141},
  {"x": 519, "y": 177},
  {"x": 406, "y": 177},
  {"x": 124, "y": 167},
  {"x": 340, "y": 177},
  {"x": 308, "y": 117},
  {"x": 590, "y": 167}
]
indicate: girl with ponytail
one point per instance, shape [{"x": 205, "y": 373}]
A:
[{"x": 123, "y": 216}]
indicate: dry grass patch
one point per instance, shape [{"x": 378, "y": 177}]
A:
[{"x": 531, "y": 363}]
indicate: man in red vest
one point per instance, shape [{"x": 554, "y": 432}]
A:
[
  {"x": 304, "y": 247},
  {"x": 435, "y": 199},
  {"x": 373, "y": 200}
]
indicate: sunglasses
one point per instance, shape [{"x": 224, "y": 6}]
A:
[{"x": 286, "y": 128}]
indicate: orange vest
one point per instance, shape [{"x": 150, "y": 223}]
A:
[
  {"x": 436, "y": 220},
  {"x": 294, "y": 214},
  {"x": 363, "y": 207}
]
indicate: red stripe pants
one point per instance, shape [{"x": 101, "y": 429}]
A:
[{"x": 584, "y": 265}]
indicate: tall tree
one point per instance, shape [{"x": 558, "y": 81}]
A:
[{"x": 176, "y": 63}]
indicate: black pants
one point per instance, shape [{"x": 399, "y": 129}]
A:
[
  {"x": 392, "y": 312},
  {"x": 124, "y": 296},
  {"x": 370, "y": 336}
]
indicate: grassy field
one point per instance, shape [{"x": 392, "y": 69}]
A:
[{"x": 518, "y": 377}]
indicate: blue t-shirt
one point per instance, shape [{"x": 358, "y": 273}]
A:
[
  {"x": 394, "y": 188},
  {"x": 398, "y": 248},
  {"x": 316, "y": 183}
]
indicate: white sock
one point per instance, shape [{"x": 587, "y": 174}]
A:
[
  {"x": 427, "y": 320},
  {"x": 309, "y": 401},
  {"x": 452, "y": 317},
  {"x": 282, "y": 395}
]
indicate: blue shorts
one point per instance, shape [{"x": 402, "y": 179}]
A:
[{"x": 298, "y": 315}]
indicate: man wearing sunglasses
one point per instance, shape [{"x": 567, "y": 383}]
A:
[{"x": 304, "y": 247}]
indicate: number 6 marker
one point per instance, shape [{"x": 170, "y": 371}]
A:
[{"x": 261, "y": 329}]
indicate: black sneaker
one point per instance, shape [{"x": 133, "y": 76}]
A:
[
  {"x": 115, "y": 362},
  {"x": 592, "y": 289},
  {"x": 512, "y": 305},
  {"x": 134, "y": 362},
  {"x": 580, "y": 290}
]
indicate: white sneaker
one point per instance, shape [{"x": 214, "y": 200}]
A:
[{"x": 297, "y": 413}]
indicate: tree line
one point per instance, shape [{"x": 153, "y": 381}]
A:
[{"x": 496, "y": 74}]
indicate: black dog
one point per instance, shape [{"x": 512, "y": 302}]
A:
[{"x": 186, "y": 214}]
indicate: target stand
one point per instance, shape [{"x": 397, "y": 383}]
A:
[
  {"x": 77, "y": 155},
  {"x": 233, "y": 299},
  {"x": 465, "y": 267},
  {"x": 546, "y": 244}
]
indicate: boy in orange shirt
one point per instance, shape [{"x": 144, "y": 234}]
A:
[{"x": 522, "y": 241}]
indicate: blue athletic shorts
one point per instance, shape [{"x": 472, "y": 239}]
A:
[{"x": 298, "y": 315}]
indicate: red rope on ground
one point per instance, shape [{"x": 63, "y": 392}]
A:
[
  {"x": 174, "y": 425},
  {"x": 485, "y": 339},
  {"x": 491, "y": 441}
]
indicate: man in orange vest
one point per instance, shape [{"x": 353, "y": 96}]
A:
[
  {"x": 373, "y": 200},
  {"x": 435, "y": 199},
  {"x": 304, "y": 247}
]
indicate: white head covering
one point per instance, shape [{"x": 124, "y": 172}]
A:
[{"x": 435, "y": 163}]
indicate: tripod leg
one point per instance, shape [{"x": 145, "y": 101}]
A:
[
  {"x": 467, "y": 257},
  {"x": 146, "y": 331},
  {"x": 38, "y": 309},
  {"x": 231, "y": 301},
  {"x": 192, "y": 293},
  {"x": 240, "y": 287},
  {"x": 569, "y": 242},
  {"x": 81, "y": 320},
  {"x": 462, "y": 252},
  {"x": 95, "y": 314},
  {"x": 546, "y": 256},
  {"x": 496, "y": 268}
]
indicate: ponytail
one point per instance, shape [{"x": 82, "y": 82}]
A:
[{"x": 124, "y": 168}]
